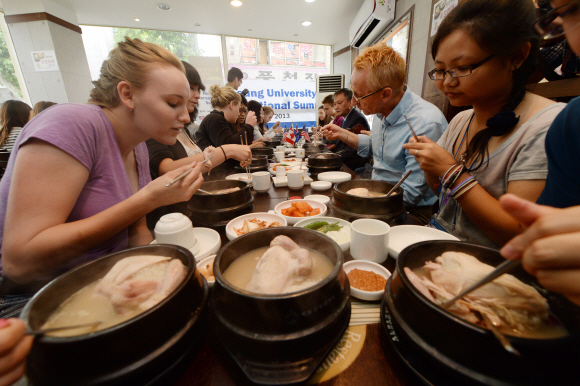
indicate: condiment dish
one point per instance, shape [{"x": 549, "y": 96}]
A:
[
  {"x": 366, "y": 266},
  {"x": 343, "y": 246},
  {"x": 321, "y": 185},
  {"x": 318, "y": 197},
  {"x": 293, "y": 220},
  {"x": 238, "y": 222},
  {"x": 204, "y": 265}
]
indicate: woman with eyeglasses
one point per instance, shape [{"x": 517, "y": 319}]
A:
[
  {"x": 549, "y": 245},
  {"x": 484, "y": 52}
]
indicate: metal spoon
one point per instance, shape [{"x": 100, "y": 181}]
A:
[
  {"x": 47, "y": 330},
  {"x": 204, "y": 191},
  {"x": 400, "y": 182},
  {"x": 504, "y": 267}
]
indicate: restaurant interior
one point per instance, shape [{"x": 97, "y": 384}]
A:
[{"x": 239, "y": 192}]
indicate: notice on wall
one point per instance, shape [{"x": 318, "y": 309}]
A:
[
  {"x": 44, "y": 60},
  {"x": 440, "y": 11}
]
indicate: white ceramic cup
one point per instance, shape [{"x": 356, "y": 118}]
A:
[
  {"x": 280, "y": 171},
  {"x": 281, "y": 148},
  {"x": 295, "y": 179},
  {"x": 175, "y": 228},
  {"x": 300, "y": 152},
  {"x": 369, "y": 240},
  {"x": 261, "y": 181},
  {"x": 279, "y": 155}
]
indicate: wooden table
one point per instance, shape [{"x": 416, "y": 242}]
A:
[{"x": 377, "y": 363}]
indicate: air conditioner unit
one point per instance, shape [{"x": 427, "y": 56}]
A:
[
  {"x": 327, "y": 85},
  {"x": 372, "y": 18}
]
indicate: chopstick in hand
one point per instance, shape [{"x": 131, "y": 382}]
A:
[
  {"x": 182, "y": 175},
  {"x": 411, "y": 127},
  {"x": 247, "y": 167}
]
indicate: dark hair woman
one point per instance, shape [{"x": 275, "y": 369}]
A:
[
  {"x": 13, "y": 116},
  {"x": 484, "y": 52},
  {"x": 257, "y": 108}
]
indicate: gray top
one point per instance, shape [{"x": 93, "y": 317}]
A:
[{"x": 521, "y": 157}]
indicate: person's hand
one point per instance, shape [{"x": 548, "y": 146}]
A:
[
  {"x": 365, "y": 132},
  {"x": 332, "y": 131},
  {"x": 278, "y": 130},
  {"x": 208, "y": 152},
  {"x": 276, "y": 125},
  {"x": 549, "y": 246},
  {"x": 14, "y": 347},
  {"x": 241, "y": 153},
  {"x": 257, "y": 144},
  {"x": 432, "y": 158},
  {"x": 251, "y": 119},
  {"x": 182, "y": 190}
]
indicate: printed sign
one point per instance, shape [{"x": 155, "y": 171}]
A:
[
  {"x": 440, "y": 11},
  {"x": 44, "y": 60}
]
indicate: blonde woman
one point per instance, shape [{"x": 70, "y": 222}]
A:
[
  {"x": 40, "y": 107},
  {"x": 217, "y": 128},
  {"x": 13, "y": 116},
  {"x": 77, "y": 185}
]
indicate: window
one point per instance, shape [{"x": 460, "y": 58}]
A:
[{"x": 10, "y": 79}]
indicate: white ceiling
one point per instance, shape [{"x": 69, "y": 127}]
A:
[{"x": 271, "y": 19}]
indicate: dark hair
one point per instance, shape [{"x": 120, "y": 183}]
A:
[
  {"x": 346, "y": 91},
  {"x": 501, "y": 27},
  {"x": 244, "y": 100},
  {"x": 194, "y": 80},
  {"x": 39, "y": 107},
  {"x": 13, "y": 113},
  {"x": 256, "y": 107},
  {"x": 234, "y": 73},
  {"x": 329, "y": 100}
]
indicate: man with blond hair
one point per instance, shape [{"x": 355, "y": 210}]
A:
[{"x": 378, "y": 85}]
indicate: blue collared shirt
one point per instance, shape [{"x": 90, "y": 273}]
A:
[{"x": 390, "y": 160}]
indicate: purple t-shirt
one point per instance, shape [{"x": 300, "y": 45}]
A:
[{"x": 84, "y": 132}]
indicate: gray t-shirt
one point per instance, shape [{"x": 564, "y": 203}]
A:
[{"x": 521, "y": 157}]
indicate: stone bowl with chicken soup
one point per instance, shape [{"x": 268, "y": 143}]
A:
[
  {"x": 355, "y": 199},
  {"x": 281, "y": 301},
  {"x": 149, "y": 303},
  {"x": 228, "y": 200},
  {"x": 541, "y": 325}
]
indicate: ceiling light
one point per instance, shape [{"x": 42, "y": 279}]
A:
[
  {"x": 137, "y": 19},
  {"x": 249, "y": 29},
  {"x": 310, "y": 1},
  {"x": 306, "y": 23},
  {"x": 164, "y": 7},
  {"x": 236, "y": 3},
  {"x": 295, "y": 34}
]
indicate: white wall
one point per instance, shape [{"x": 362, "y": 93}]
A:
[
  {"x": 419, "y": 37},
  {"x": 342, "y": 63}
]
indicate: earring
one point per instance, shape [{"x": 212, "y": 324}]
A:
[
  {"x": 131, "y": 109},
  {"x": 516, "y": 67}
]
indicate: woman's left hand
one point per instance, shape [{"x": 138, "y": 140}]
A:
[
  {"x": 432, "y": 158},
  {"x": 251, "y": 119},
  {"x": 208, "y": 153}
]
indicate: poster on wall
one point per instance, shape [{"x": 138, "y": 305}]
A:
[
  {"x": 44, "y": 60},
  {"x": 440, "y": 11},
  {"x": 398, "y": 37},
  {"x": 277, "y": 53},
  {"x": 306, "y": 55},
  {"x": 248, "y": 50},
  {"x": 292, "y": 50}
]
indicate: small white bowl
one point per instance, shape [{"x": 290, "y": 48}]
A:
[
  {"x": 209, "y": 242},
  {"x": 294, "y": 220},
  {"x": 321, "y": 185},
  {"x": 318, "y": 197},
  {"x": 366, "y": 266},
  {"x": 334, "y": 177},
  {"x": 344, "y": 246},
  {"x": 203, "y": 265},
  {"x": 238, "y": 222},
  {"x": 175, "y": 228}
]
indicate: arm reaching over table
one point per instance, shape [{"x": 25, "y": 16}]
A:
[{"x": 549, "y": 245}]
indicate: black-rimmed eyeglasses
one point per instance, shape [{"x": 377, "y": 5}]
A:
[
  {"x": 357, "y": 100},
  {"x": 457, "y": 72},
  {"x": 550, "y": 25}
]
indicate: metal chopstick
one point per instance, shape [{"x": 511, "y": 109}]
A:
[
  {"x": 47, "y": 330},
  {"x": 504, "y": 267},
  {"x": 411, "y": 127},
  {"x": 400, "y": 182},
  {"x": 186, "y": 173}
]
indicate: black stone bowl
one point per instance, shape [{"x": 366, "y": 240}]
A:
[
  {"x": 280, "y": 339},
  {"x": 267, "y": 151},
  {"x": 324, "y": 160},
  {"x": 217, "y": 210},
  {"x": 272, "y": 143},
  {"x": 465, "y": 353},
  {"x": 349, "y": 207},
  {"x": 259, "y": 164},
  {"x": 131, "y": 353}
]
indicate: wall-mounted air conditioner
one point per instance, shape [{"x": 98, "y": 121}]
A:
[
  {"x": 372, "y": 18},
  {"x": 327, "y": 85}
]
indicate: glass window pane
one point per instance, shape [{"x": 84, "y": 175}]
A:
[{"x": 9, "y": 82}]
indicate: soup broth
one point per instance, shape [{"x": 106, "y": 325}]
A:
[{"x": 240, "y": 271}]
